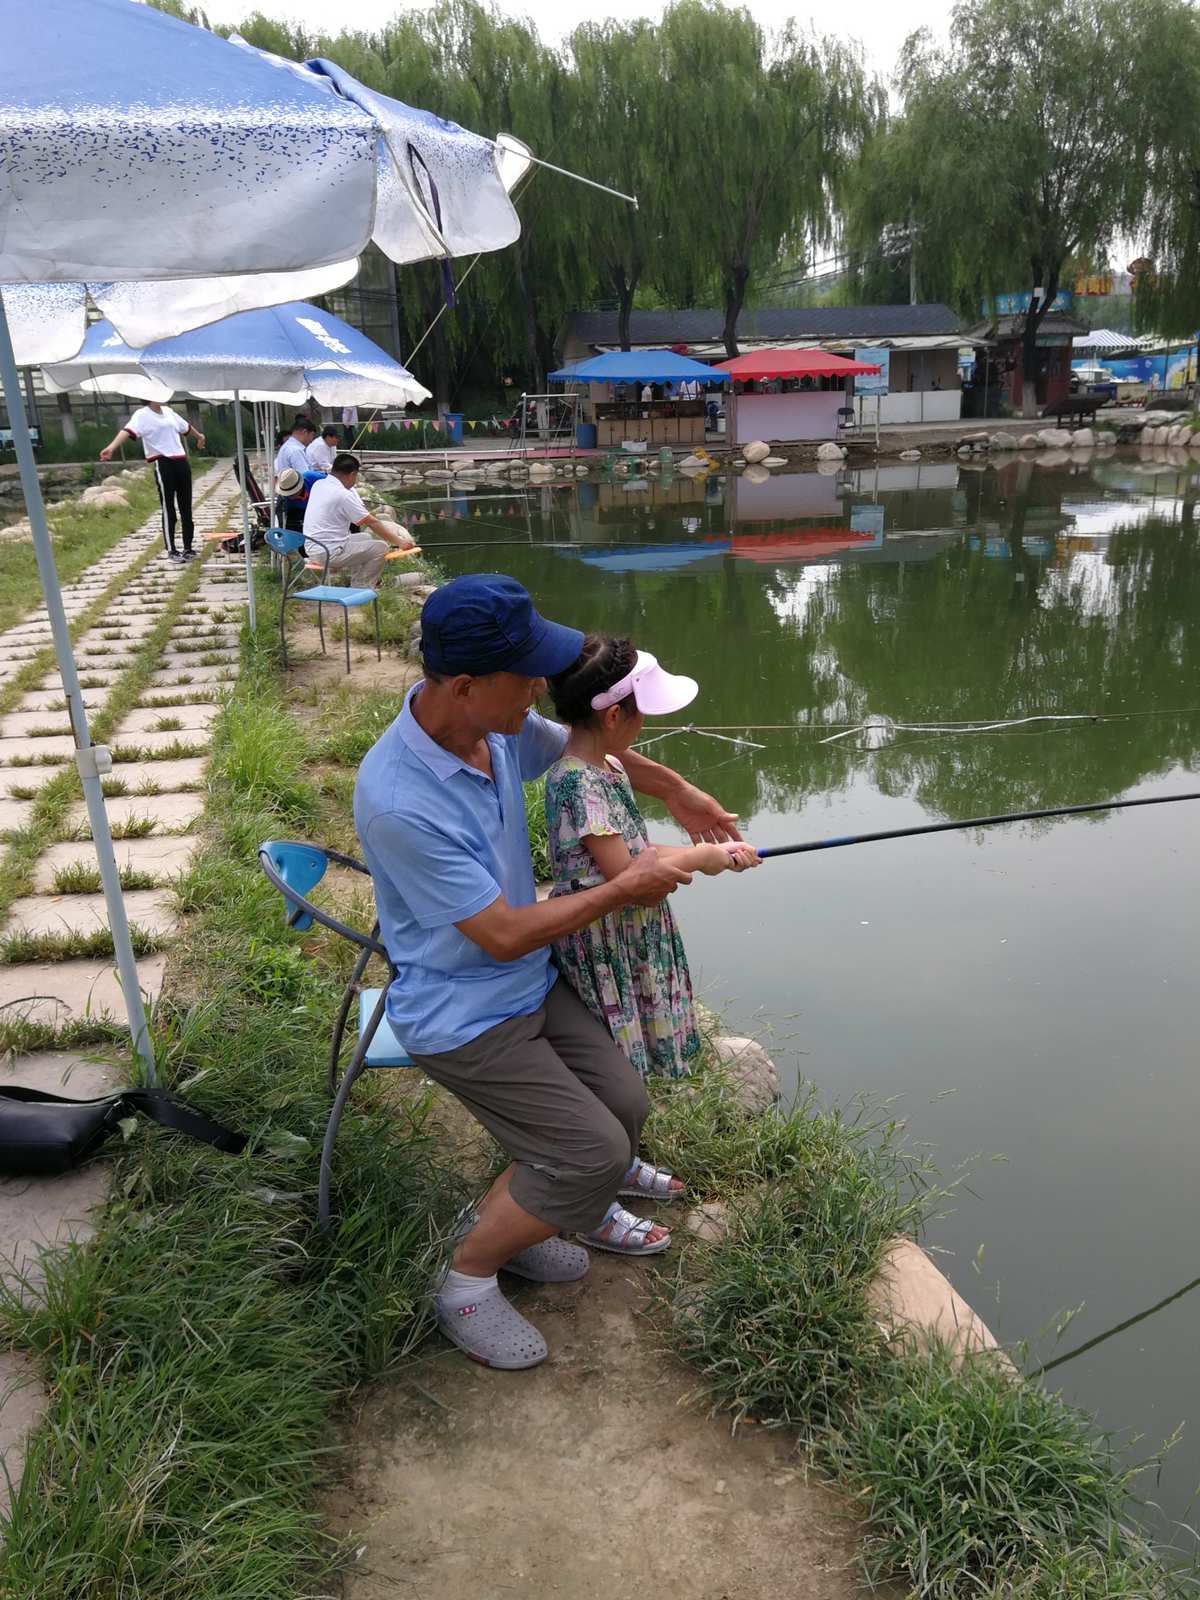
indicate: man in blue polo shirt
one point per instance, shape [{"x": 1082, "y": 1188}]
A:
[{"x": 440, "y": 812}]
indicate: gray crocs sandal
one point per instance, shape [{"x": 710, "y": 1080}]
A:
[
  {"x": 552, "y": 1261},
  {"x": 644, "y": 1182},
  {"x": 624, "y": 1234},
  {"x": 492, "y": 1332}
]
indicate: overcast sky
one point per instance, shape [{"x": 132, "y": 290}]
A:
[{"x": 880, "y": 25}]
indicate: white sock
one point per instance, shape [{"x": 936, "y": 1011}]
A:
[{"x": 460, "y": 1289}]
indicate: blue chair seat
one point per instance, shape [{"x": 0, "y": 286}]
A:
[
  {"x": 384, "y": 1050},
  {"x": 330, "y": 594}
]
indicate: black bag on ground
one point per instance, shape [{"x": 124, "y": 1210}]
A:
[{"x": 42, "y": 1135}]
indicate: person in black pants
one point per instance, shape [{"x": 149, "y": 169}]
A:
[{"x": 162, "y": 433}]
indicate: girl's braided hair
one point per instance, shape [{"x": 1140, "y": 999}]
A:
[{"x": 602, "y": 663}]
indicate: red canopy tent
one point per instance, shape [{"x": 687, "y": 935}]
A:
[
  {"x": 788, "y": 546},
  {"x": 763, "y": 364}
]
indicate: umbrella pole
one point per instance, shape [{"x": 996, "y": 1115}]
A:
[
  {"x": 242, "y": 464},
  {"x": 90, "y": 759}
]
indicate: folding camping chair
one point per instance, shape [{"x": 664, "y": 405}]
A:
[
  {"x": 296, "y": 869},
  {"x": 289, "y": 547}
]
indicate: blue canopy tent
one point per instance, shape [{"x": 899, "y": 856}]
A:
[
  {"x": 639, "y": 366},
  {"x": 675, "y": 416}
]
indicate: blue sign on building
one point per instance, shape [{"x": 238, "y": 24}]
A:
[{"x": 1011, "y": 305}]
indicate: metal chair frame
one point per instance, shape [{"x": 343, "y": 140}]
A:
[
  {"x": 289, "y": 546},
  {"x": 302, "y": 913}
]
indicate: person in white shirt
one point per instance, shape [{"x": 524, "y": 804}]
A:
[
  {"x": 293, "y": 451},
  {"x": 162, "y": 432},
  {"x": 322, "y": 451},
  {"x": 334, "y": 510},
  {"x": 349, "y": 423}
]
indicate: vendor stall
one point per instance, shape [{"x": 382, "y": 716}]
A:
[
  {"x": 784, "y": 396},
  {"x": 650, "y": 397}
]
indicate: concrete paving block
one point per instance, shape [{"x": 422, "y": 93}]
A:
[
  {"x": 58, "y": 992},
  {"x": 29, "y": 724},
  {"x": 52, "y": 703},
  {"x": 167, "y": 776},
  {"x": 171, "y": 812},
  {"x": 163, "y": 859},
  {"x": 169, "y": 677},
  {"x": 23, "y": 778},
  {"x": 38, "y": 1213},
  {"x": 16, "y": 752},
  {"x": 143, "y": 720},
  {"x": 14, "y": 814},
  {"x": 23, "y": 1402},
  {"x": 52, "y": 682},
  {"x": 150, "y": 909}
]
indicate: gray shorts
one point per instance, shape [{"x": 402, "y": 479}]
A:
[{"x": 555, "y": 1091}]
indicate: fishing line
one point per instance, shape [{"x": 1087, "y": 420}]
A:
[
  {"x": 971, "y": 822},
  {"x": 1109, "y": 1333}
]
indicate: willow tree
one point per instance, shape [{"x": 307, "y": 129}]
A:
[
  {"x": 1027, "y": 133},
  {"x": 767, "y": 130},
  {"x": 620, "y": 86},
  {"x": 1168, "y": 301}
]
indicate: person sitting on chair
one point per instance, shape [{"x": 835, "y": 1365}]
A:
[
  {"x": 332, "y": 521},
  {"x": 321, "y": 451}
]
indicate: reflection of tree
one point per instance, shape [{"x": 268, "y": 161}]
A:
[
  {"x": 1108, "y": 630},
  {"x": 1104, "y": 626}
]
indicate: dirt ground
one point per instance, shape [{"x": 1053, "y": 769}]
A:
[{"x": 597, "y": 1476}]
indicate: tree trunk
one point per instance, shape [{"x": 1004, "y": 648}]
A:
[
  {"x": 1029, "y": 333},
  {"x": 735, "y": 295},
  {"x": 66, "y": 418},
  {"x": 626, "y": 287},
  {"x": 431, "y": 304}
]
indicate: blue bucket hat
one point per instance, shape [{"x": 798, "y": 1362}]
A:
[{"x": 487, "y": 623}]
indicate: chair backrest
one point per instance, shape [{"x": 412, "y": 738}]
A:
[
  {"x": 253, "y": 493},
  {"x": 295, "y": 869},
  {"x": 284, "y": 541}
]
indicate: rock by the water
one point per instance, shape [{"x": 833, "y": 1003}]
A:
[
  {"x": 757, "y": 451},
  {"x": 1083, "y": 439},
  {"x": 1029, "y": 441},
  {"x": 753, "y": 1077},
  {"x": 693, "y": 461},
  {"x": 830, "y": 452},
  {"x": 775, "y": 461},
  {"x": 979, "y": 440},
  {"x": 709, "y": 1222},
  {"x": 1002, "y": 441},
  {"x": 910, "y": 455},
  {"x": 754, "y": 473},
  {"x": 1055, "y": 438},
  {"x": 1054, "y": 458}
]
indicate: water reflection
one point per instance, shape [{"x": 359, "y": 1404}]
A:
[{"x": 917, "y": 592}]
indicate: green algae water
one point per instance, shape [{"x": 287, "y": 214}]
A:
[{"x": 1024, "y": 997}]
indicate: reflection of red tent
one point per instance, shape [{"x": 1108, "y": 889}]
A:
[
  {"x": 797, "y": 544},
  {"x": 763, "y": 364}
]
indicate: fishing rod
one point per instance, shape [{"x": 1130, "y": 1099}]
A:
[{"x": 970, "y": 822}]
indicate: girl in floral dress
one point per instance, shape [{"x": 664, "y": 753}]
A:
[{"x": 629, "y": 967}]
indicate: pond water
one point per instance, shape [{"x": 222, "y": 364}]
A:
[{"x": 1025, "y": 997}]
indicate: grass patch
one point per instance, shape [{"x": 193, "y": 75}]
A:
[
  {"x": 80, "y": 535},
  {"x": 351, "y": 721},
  {"x": 167, "y": 725},
  {"x": 176, "y": 750},
  {"x": 19, "y": 947},
  {"x": 535, "y": 821},
  {"x": 970, "y": 1482},
  {"x": 81, "y": 877},
  {"x": 22, "y": 791},
  {"x": 196, "y": 1351}
]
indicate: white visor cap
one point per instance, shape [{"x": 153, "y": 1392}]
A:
[{"x": 657, "y": 692}]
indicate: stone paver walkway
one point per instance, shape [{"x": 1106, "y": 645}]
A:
[{"x": 155, "y": 798}]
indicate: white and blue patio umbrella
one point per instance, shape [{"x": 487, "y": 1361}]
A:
[
  {"x": 283, "y": 352},
  {"x": 175, "y": 177}
]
